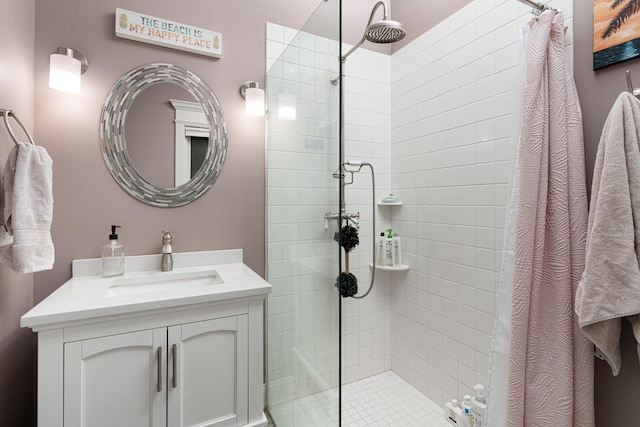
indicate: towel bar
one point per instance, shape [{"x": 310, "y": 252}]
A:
[{"x": 6, "y": 114}]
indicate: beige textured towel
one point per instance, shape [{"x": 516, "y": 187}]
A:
[
  {"x": 26, "y": 202},
  {"x": 610, "y": 286}
]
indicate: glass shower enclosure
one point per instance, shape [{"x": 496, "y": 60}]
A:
[{"x": 303, "y": 259}]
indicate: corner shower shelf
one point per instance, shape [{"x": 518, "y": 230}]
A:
[
  {"x": 390, "y": 204},
  {"x": 387, "y": 268}
]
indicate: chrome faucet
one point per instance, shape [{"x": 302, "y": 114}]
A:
[{"x": 166, "y": 264}]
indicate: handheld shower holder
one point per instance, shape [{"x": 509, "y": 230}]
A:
[
  {"x": 357, "y": 167},
  {"x": 354, "y": 218}
]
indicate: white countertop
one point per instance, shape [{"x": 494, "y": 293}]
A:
[{"x": 84, "y": 295}]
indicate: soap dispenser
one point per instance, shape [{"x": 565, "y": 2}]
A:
[{"x": 113, "y": 255}]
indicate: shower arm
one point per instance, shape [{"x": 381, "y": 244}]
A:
[{"x": 385, "y": 16}]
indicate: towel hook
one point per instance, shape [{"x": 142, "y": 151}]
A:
[
  {"x": 6, "y": 114},
  {"x": 634, "y": 92}
]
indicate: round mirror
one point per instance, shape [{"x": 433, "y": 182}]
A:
[{"x": 168, "y": 147}]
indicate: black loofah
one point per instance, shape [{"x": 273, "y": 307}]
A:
[
  {"x": 347, "y": 238},
  {"x": 347, "y": 284}
]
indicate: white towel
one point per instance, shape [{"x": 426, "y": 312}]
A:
[
  {"x": 26, "y": 201},
  {"x": 610, "y": 285}
]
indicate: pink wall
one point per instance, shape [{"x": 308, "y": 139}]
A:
[
  {"x": 17, "y": 369},
  {"x": 598, "y": 91},
  {"x": 418, "y": 16},
  {"x": 87, "y": 199}
]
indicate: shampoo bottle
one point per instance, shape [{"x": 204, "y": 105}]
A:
[
  {"x": 465, "y": 418},
  {"x": 380, "y": 250},
  {"x": 478, "y": 406},
  {"x": 397, "y": 250},
  {"x": 388, "y": 249},
  {"x": 113, "y": 255}
]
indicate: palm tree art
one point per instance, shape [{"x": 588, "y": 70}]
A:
[{"x": 629, "y": 9}]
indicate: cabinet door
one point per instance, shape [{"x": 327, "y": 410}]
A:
[
  {"x": 118, "y": 380},
  {"x": 208, "y": 366}
]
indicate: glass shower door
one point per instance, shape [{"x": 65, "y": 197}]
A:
[{"x": 303, "y": 151}]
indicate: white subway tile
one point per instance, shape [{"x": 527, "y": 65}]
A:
[
  {"x": 466, "y": 35},
  {"x": 506, "y": 57},
  {"x": 484, "y": 24},
  {"x": 484, "y": 45},
  {"x": 506, "y": 35},
  {"x": 275, "y": 32},
  {"x": 505, "y": 13},
  {"x": 484, "y": 6}
]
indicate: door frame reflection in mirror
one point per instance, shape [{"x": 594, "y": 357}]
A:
[
  {"x": 113, "y": 142},
  {"x": 190, "y": 121}
]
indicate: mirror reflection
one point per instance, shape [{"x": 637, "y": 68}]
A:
[{"x": 167, "y": 135}]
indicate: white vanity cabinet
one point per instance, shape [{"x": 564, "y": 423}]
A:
[
  {"x": 193, "y": 374},
  {"x": 169, "y": 361}
]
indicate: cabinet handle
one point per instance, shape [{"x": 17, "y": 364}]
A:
[
  {"x": 174, "y": 354},
  {"x": 159, "y": 353}
]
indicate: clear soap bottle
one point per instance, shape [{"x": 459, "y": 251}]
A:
[{"x": 113, "y": 255}]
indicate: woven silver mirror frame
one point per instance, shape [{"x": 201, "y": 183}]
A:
[{"x": 114, "y": 145}]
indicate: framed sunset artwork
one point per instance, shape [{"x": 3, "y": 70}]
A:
[{"x": 616, "y": 31}]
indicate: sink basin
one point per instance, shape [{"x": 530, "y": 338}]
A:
[{"x": 159, "y": 282}]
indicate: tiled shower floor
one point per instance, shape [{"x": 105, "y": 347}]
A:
[{"x": 381, "y": 400}]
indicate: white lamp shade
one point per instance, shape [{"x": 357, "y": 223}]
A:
[
  {"x": 64, "y": 73},
  {"x": 254, "y": 102},
  {"x": 286, "y": 107}
]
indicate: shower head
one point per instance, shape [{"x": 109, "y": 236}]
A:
[{"x": 385, "y": 31}]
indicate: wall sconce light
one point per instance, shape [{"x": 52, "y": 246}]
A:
[
  {"x": 66, "y": 66},
  {"x": 254, "y": 98},
  {"x": 286, "y": 106}
]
